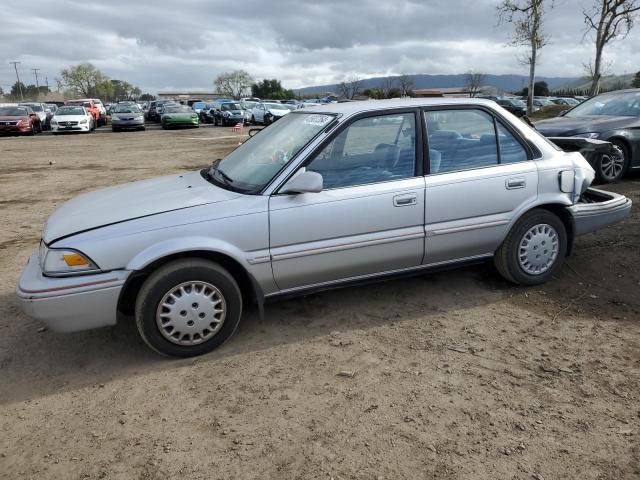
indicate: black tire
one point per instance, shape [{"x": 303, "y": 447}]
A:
[
  {"x": 253, "y": 119},
  {"x": 115, "y": 129},
  {"x": 172, "y": 275},
  {"x": 267, "y": 120},
  {"x": 32, "y": 132},
  {"x": 143, "y": 128},
  {"x": 507, "y": 260},
  {"x": 603, "y": 168}
]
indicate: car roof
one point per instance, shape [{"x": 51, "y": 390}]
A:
[{"x": 349, "y": 108}]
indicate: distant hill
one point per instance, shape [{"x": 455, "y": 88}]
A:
[
  {"x": 506, "y": 83},
  {"x": 606, "y": 83}
]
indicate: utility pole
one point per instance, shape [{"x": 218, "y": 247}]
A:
[
  {"x": 15, "y": 65},
  {"x": 35, "y": 71}
]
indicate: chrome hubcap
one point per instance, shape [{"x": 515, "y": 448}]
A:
[
  {"x": 611, "y": 166},
  {"x": 538, "y": 249},
  {"x": 191, "y": 313}
]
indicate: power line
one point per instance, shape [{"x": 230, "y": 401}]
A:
[{"x": 15, "y": 66}]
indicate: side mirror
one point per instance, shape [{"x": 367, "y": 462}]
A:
[{"x": 305, "y": 182}]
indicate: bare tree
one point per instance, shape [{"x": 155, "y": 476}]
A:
[
  {"x": 527, "y": 18},
  {"x": 609, "y": 20},
  {"x": 387, "y": 85},
  {"x": 233, "y": 84},
  {"x": 473, "y": 81},
  {"x": 405, "y": 82},
  {"x": 351, "y": 87}
]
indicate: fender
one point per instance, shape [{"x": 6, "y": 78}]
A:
[{"x": 185, "y": 244}]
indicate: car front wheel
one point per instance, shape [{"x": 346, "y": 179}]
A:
[
  {"x": 612, "y": 167},
  {"x": 188, "y": 307},
  {"x": 534, "y": 249}
]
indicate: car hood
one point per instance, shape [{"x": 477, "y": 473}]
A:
[
  {"x": 279, "y": 112},
  {"x": 130, "y": 201},
  {"x": 567, "y": 126},
  {"x": 9, "y": 118},
  {"x": 69, "y": 118}
]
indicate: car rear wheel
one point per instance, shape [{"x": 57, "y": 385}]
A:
[
  {"x": 534, "y": 249},
  {"x": 188, "y": 307},
  {"x": 612, "y": 167}
]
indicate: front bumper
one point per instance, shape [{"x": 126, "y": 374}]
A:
[
  {"x": 71, "y": 128},
  {"x": 15, "y": 129},
  {"x": 70, "y": 304},
  {"x": 127, "y": 123},
  {"x": 598, "y": 209}
]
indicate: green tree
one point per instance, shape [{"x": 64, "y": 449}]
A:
[
  {"x": 271, "y": 89},
  {"x": 635, "y": 83},
  {"x": 84, "y": 79},
  {"x": 147, "y": 97},
  {"x": 540, "y": 89}
]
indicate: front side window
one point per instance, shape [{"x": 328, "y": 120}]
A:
[
  {"x": 370, "y": 150},
  {"x": 253, "y": 164}
]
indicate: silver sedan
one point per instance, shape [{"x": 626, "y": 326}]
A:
[{"x": 325, "y": 197}]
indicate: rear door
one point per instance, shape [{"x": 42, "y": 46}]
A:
[
  {"x": 369, "y": 216},
  {"x": 480, "y": 174}
]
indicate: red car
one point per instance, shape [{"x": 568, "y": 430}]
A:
[
  {"x": 91, "y": 107},
  {"x": 19, "y": 120}
]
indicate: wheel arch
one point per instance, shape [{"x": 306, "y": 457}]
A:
[
  {"x": 559, "y": 210},
  {"x": 249, "y": 287}
]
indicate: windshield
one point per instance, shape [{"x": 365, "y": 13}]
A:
[
  {"x": 125, "y": 109},
  {"x": 615, "y": 103},
  {"x": 36, "y": 108},
  {"x": 177, "y": 109},
  {"x": 198, "y": 105},
  {"x": 13, "y": 112},
  {"x": 70, "y": 111},
  {"x": 253, "y": 164},
  {"x": 517, "y": 103},
  {"x": 230, "y": 106},
  {"x": 248, "y": 105},
  {"x": 275, "y": 106}
]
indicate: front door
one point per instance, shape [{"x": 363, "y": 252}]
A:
[
  {"x": 481, "y": 174},
  {"x": 369, "y": 216}
]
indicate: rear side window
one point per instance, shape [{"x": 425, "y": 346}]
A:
[
  {"x": 469, "y": 139},
  {"x": 511, "y": 150}
]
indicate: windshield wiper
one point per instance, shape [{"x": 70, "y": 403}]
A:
[{"x": 215, "y": 173}]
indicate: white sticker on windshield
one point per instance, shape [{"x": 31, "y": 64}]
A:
[{"x": 318, "y": 120}]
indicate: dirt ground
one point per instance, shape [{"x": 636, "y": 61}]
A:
[{"x": 455, "y": 375}]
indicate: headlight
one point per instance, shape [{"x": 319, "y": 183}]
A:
[
  {"x": 139, "y": 117},
  {"x": 54, "y": 121},
  {"x": 587, "y": 135},
  {"x": 226, "y": 114},
  {"x": 114, "y": 117},
  {"x": 83, "y": 121},
  {"x": 64, "y": 262}
]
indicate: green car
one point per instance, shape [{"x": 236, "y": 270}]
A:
[{"x": 179, "y": 116}]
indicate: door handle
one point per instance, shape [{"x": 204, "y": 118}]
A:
[
  {"x": 405, "y": 200},
  {"x": 513, "y": 183}
]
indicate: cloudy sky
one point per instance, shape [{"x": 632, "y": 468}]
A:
[{"x": 162, "y": 44}]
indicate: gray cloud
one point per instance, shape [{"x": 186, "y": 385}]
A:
[{"x": 165, "y": 44}]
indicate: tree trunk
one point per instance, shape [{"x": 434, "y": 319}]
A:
[
  {"x": 595, "y": 81},
  {"x": 532, "y": 78}
]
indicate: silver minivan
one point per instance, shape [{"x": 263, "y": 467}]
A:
[{"x": 325, "y": 197}]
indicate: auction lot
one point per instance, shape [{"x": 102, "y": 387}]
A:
[{"x": 450, "y": 375}]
